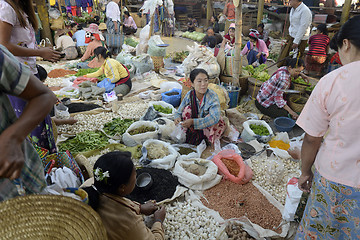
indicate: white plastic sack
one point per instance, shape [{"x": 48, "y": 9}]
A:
[
  {"x": 124, "y": 57},
  {"x": 209, "y": 179},
  {"x": 133, "y": 140},
  {"x": 141, "y": 48},
  {"x": 201, "y": 57},
  {"x": 166, "y": 127},
  {"x": 293, "y": 197},
  {"x": 165, "y": 105},
  {"x": 248, "y": 135},
  {"x": 127, "y": 48},
  {"x": 166, "y": 162}
]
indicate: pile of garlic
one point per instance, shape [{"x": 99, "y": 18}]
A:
[
  {"x": 185, "y": 221},
  {"x": 88, "y": 122},
  {"x": 132, "y": 110},
  {"x": 259, "y": 165},
  {"x": 93, "y": 159},
  {"x": 54, "y": 82}
]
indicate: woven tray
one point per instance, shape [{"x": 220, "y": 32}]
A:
[
  {"x": 300, "y": 87},
  {"x": 298, "y": 105},
  {"x": 253, "y": 86}
]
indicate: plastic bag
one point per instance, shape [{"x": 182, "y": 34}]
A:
[
  {"x": 144, "y": 38},
  {"x": 107, "y": 84},
  {"x": 136, "y": 139},
  {"x": 245, "y": 173},
  {"x": 274, "y": 170},
  {"x": 124, "y": 58},
  {"x": 61, "y": 111},
  {"x": 248, "y": 134},
  {"x": 167, "y": 86},
  {"x": 166, "y": 127},
  {"x": 143, "y": 63},
  {"x": 68, "y": 92},
  {"x": 166, "y": 162},
  {"x": 164, "y": 105},
  {"x": 198, "y": 150},
  {"x": 179, "y": 134},
  {"x": 293, "y": 197},
  {"x": 195, "y": 181},
  {"x": 54, "y": 13},
  {"x": 153, "y": 49},
  {"x": 172, "y": 97}
]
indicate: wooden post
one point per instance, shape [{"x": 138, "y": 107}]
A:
[
  {"x": 260, "y": 11},
  {"x": 237, "y": 58},
  {"x": 44, "y": 18},
  {"x": 345, "y": 11},
  {"x": 209, "y": 11},
  {"x": 151, "y": 24}
]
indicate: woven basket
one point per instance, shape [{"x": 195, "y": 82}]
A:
[
  {"x": 253, "y": 86},
  {"x": 158, "y": 62},
  {"x": 49, "y": 217},
  {"x": 300, "y": 87},
  {"x": 299, "y": 104}
]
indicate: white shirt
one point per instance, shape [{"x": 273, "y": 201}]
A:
[
  {"x": 113, "y": 11},
  {"x": 24, "y": 37},
  {"x": 300, "y": 21}
]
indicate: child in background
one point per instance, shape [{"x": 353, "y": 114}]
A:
[{"x": 230, "y": 36}]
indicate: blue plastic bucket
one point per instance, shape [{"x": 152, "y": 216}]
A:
[{"x": 233, "y": 95}]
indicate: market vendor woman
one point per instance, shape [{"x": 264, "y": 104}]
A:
[
  {"x": 113, "y": 70},
  {"x": 199, "y": 111},
  {"x": 270, "y": 100}
]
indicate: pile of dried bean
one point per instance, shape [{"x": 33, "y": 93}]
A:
[
  {"x": 232, "y": 166},
  {"x": 56, "y": 73},
  {"x": 233, "y": 200}
]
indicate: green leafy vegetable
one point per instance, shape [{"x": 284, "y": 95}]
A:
[
  {"x": 166, "y": 110},
  {"x": 259, "y": 129},
  {"x": 131, "y": 42},
  {"x": 142, "y": 129},
  {"x": 117, "y": 126},
  {"x": 83, "y": 71},
  {"x": 300, "y": 80}
]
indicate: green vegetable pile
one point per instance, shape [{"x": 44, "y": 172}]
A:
[
  {"x": 142, "y": 129},
  {"x": 85, "y": 141},
  {"x": 259, "y": 130},
  {"x": 83, "y": 71},
  {"x": 131, "y": 42},
  {"x": 259, "y": 72},
  {"x": 180, "y": 56},
  {"x": 117, "y": 126},
  {"x": 310, "y": 88},
  {"x": 300, "y": 80},
  {"x": 166, "y": 110},
  {"x": 196, "y": 36}
]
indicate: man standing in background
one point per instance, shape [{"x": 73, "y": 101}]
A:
[{"x": 299, "y": 30}]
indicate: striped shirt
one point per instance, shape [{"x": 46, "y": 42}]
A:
[
  {"x": 14, "y": 77},
  {"x": 271, "y": 92},
  {"x": 209, "y": 110},
  {"x": 318, "y": 44}
]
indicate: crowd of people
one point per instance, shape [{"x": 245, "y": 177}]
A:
[{"x": 329, "y": 118}]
